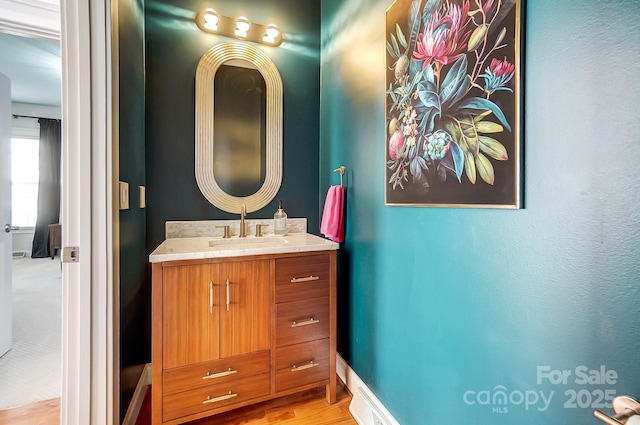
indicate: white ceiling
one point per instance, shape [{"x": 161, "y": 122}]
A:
[{"x": 30, "y": 50}]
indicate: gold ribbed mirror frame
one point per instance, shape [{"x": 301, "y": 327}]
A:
[{"x": 205, "y": 142}]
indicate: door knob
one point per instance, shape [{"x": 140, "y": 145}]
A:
[{"x": 8, "y": 228}]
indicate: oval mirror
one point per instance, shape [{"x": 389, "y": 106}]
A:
[{"x": 238, "y": 127}]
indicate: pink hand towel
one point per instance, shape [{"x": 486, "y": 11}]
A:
[{"x": 333, "y": 215}]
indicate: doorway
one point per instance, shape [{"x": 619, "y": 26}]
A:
[
  {"x": 36, "y": 302},
  {"x": 33, "y": 65}
]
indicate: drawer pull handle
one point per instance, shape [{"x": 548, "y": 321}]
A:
[
  {"x": 210, "y": 375},
  {"x": 304, "y": 279},
  {"x": 303, "y": 367},
  {"x": 221, "y": 398},
  {"x": 310, "y": 321},
  {"x": 228, "y": 296},
  {"x": 211, "y": 297}
]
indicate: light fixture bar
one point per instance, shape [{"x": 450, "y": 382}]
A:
[{"x": 210, "y": 21}]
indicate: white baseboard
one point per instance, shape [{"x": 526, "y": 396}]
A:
[
  {"x": 359, "y": 389},
  {"x": 138, "y": 396}
]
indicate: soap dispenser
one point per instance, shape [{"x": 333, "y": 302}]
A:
[{"x": 280, "y": 221}]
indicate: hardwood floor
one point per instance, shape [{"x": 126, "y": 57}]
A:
[
  {"x": 41, "y": 413},
  {"x": 306, "y": 408}
]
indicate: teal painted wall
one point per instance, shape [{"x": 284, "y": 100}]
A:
[
  {"x": 440, "y": 308},
  {"x": 135, "y": 299},
  {"x": 174, "y": 46}
]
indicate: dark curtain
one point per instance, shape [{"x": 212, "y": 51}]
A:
[{"x": 49, "y": 186}]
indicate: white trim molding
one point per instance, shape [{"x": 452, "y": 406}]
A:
[
  {"x": 105, "y": 371},
  {"x": 358, "y": 388},
  {"x": 87, "y": 285},
  {"x": 31, "y": 18},
  {"x": 75, "y": 216},
  {"x": 40, "y": 111}
]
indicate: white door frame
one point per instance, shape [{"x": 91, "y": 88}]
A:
[
  {"x": 89, "y": 381},
  {"x": 6, "y": 293}
]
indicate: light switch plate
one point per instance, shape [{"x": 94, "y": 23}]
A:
[
  {"x": 142, "y": 197},
  {"x": 124, "y": 195}
]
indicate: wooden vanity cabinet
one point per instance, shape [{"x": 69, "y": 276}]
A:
[{"x": 228, "y": 332}]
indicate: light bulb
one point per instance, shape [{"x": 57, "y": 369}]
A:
[
  {"x": 242, "y": 26},
  {"x": 271, "y": 33},
  {"x": 211, "y": 19}
]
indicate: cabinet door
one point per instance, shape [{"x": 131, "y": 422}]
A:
[
  {"x": 191, "y": 315},
  {"x": 245, "y": 317}
]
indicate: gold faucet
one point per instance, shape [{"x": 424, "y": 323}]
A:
[{"x": 243, "y": 214}]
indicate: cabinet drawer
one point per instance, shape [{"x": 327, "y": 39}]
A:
[
  {"x": 302, "y": 321},
  {"x": 302, "y": 364},
  {"x": 214, "y": 372},
  {"x": 302, "y": 277},
  {"x": 214, "y": 396}
]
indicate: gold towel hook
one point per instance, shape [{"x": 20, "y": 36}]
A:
[{"x": 340, "y": 170}]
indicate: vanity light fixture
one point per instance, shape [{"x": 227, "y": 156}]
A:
[{"x": 209, "y": 20}]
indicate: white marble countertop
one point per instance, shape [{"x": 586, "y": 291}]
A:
[{"x": 193, "y": 248}]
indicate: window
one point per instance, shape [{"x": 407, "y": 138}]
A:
[{"x": 24, "y": 181}]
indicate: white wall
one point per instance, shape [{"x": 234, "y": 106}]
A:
[{"x": 22, "y": 240}]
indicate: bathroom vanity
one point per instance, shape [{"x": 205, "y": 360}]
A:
[{"x": 237, "y": 321}]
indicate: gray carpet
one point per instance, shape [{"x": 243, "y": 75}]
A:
[{"x": 31, "y": 370}]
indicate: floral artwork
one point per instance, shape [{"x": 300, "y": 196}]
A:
[{"x": 452, "y": 103}]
